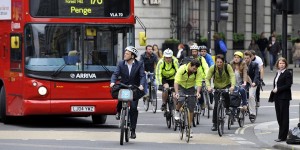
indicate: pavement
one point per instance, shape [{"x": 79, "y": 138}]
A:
[{"x": 268, "y": 131}]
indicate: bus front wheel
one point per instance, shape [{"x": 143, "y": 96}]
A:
[
  {"x": 3, "y": 116},
  {"x": 99, "y": 119}
]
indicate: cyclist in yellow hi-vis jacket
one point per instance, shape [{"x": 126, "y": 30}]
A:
[
  {"x": 187, "y": 77},
  {"x": 165, "y": 72}
]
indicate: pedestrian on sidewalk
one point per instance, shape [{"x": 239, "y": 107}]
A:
[
  {"x": 296, "y": 53},
  {"x": 281, "y": 95}
]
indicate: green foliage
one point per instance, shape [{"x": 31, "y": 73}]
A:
[
  {"x": 222, "y": 36},
  {"x": 203, "y": 39},
  {"x": 237, "y": 37},
  {"x": 172, "y": 41},
  {"x": 255, "y": 36},
  {"x": 278, "y": 37},
  {"x": 293, "y": 39}
]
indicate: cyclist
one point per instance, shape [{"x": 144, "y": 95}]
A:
[
  {"x": 260, "y": 63},
  {"x": 165, "y": 73},
  {"x": 241, "y": 77},
  {"x": 224, "y": 77},
  {"x": 204, "y": 54},
  {"x": 253, "y": 73},
  {"x": 131, "y": 72},
  {"x": 150, "y": 60},
  {"x": 203, "y": 66},
  {"x": 187, "y": 77}
]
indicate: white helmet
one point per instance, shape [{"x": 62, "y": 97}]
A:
[
  {"x": 132, "y": 49},
  {"x": 168, "y": 53},
  {"x": 194, "y": 47},
  {"x": 202, "y": 47}
]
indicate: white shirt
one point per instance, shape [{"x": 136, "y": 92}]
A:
[
  {"x": 129, "y": 66},
  {"x": 279, "y": 72},
  {"x": 179, "y": 53},
  {"x": 259, "y": 61}
]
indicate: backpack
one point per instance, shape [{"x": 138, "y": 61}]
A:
[
  {"x": 195, "y": 73},
  {"x": 173, "y": 67},
  {"x": 188, "y": 59},
  {"x": 222, "y": 46},
  {"x": 226, "y": 70}
]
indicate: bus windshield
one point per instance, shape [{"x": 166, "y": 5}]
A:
[{"x": 67, "y": 49}]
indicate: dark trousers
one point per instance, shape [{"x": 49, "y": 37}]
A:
[
  {"x": 257, "y": 94},
  {"x": 282, "y": 114},
  {"x": 216, "y": 99},
  {"x": 133, "y": 112}
]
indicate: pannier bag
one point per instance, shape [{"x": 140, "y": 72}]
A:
[{"x": 235, "y": 99}]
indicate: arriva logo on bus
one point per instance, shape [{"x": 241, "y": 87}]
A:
[{"x": 83, "y": 75}]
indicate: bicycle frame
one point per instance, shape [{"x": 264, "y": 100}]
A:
[
  {"x": 184, "y": 122},
  {"x": 125, "y": 96}
]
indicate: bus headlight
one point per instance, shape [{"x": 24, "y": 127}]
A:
[{"x": 42, "y": 90}]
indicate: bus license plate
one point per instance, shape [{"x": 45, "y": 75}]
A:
[{"x": 82, "y": 109}]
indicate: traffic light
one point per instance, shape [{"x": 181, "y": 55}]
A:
[
  {"x": 221, "y": 7},
  {"x": 291, "y": 6}
]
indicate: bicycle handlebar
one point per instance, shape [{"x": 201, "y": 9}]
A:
[
  {"x": 221, "y": 90},
  {"x": 187, "y": 96}
]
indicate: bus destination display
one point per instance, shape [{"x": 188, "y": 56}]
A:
[{"x": 80, "y": 8}]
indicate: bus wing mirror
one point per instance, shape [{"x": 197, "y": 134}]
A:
[
  {"x": 142, "y": 38},
  {"x": 90, "y": 32},
  {"x": 15, "y": 41}
]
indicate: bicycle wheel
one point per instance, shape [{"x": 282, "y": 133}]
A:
[
  {"x": 122, "y": 126},
  {"x": 181, "y": 124},
  {"x": 127, "y": 129},
  {"x": 154, "y": 99},
  {"x": 187, "y": 125},
  {"x": 146, "y": 103},
  {"x": 230, "y": 120},
  {"x": 241, "y": 119},
  {"x": 220, "y": 118},
  {"x": 207, "y": 101}
]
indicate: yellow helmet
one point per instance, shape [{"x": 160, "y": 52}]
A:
[{"x": 239, "y": 54}]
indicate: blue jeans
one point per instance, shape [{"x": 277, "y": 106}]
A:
[
  {"x": 273, "y": 59},
  {"x": 151, "y": 76},
  {"x": 243, "y": 93}
]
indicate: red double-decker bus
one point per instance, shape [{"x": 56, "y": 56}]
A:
[{"x": 57, "y": 56}]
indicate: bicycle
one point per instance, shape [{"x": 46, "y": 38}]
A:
[
  {"x": 125, "y": 96},
  {"x": 152, "y": 93},
  {"x": 184, "y": 117},
  {"x": 169, "y": 110},
  {"x": 235, "y": 110},
  {"x": 206, "y": 98},
  {"x": 221, "y": 110}
]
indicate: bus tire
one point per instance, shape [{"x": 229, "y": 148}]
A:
[
  {"x": 3, "y": 116},
  {"x": 99, "y": 119}
]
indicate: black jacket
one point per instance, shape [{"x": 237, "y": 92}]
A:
[
  {"x": 284, "y": 84},
  {"x": 253, "y": 72},
  {"x": 136, "y": 77}
]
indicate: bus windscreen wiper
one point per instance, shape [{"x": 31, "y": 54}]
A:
[
  {"x": 109, "y": 73},
  {"x": 58, "y": 71}
]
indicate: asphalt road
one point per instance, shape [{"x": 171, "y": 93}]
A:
[{"x": 78, "y": 133}]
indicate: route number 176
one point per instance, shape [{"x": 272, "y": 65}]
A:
[{"x": 99, "y": 2}]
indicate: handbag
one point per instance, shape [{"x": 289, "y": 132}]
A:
[{"x": 271, "y": 98}]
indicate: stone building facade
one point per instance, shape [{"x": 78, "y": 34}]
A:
[{"x": 187, "y": 20}]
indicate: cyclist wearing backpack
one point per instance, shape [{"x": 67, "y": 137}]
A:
[
  {"x": 187, "y": 77},
  {"x": 204, "y": 54},
  {"x": 241, "y": 77},
  {"x": 165, "y": 73},
  {"x": 224, "y": 77}
]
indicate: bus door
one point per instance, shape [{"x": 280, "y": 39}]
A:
[{"x": 15, "y": 75}]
